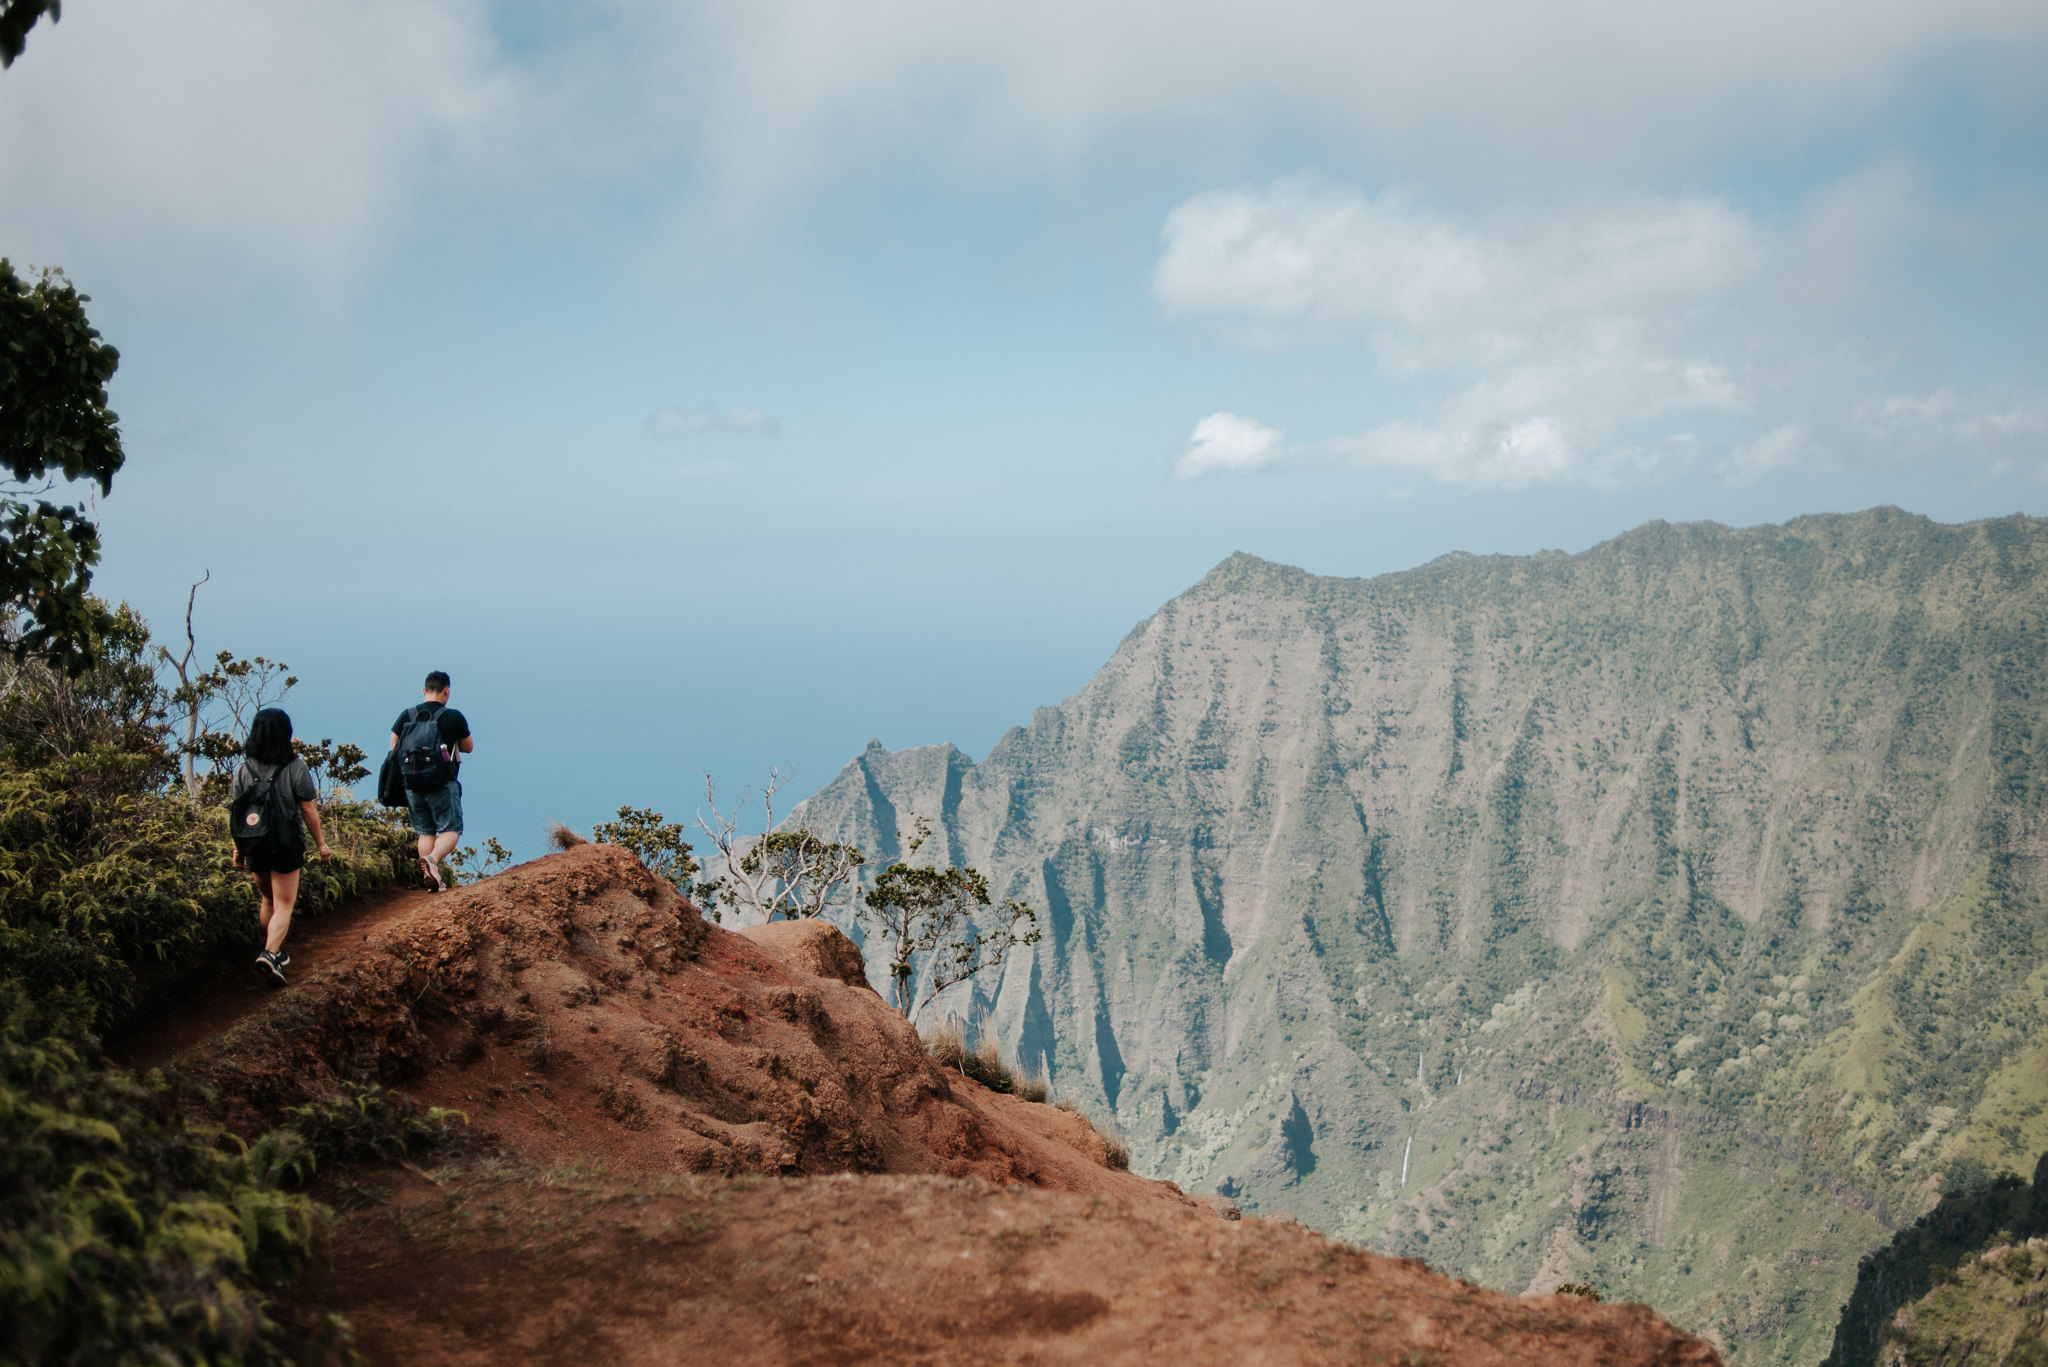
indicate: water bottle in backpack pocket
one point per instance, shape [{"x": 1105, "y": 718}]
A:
[{"x": 424, "y": 758}]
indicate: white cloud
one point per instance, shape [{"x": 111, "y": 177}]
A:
[
  {"x": 1497, "y": 89},
  {"x": 1781, "y": 448},
  {"x": 304, "y": 137},
  {"x": 179, "y": 140},
  {"x": 1224, "y": 441},
  {"x": 1586, "y": 345},
  {"x": 1559, "y": 333},
  {"x": 1305, "y": 261},
  {"x": 1954, "y": 414},
  {"x": 670, "y": 421}
]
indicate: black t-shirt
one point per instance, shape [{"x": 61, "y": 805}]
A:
[{"x": 454, "y": 728}]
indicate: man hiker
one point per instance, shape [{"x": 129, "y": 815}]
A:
[{"x": 431, "y": 740}]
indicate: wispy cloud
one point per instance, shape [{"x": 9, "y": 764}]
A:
[
  {"x": 130, "y": 127},
  {"x": 241, "y": 138},
  {"x": 670, "y": 421},
  {"x": 1585, "y": 346}
]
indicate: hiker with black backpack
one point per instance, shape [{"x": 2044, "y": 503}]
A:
[
  {"x": 270, "y": 803},
  {"x": 430, "y": 741}
]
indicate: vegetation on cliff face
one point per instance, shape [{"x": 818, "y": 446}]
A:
[
  {"x": 1992, "y": 1309},
  {"x": 1962, "y": 1232},
  {"x": 1666, "y": 917}
]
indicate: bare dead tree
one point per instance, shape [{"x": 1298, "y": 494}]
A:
[
  {"x": 188, "y": 698},
  {"x": 792, "y": 874},
  {"x": 236, "y": 689}
]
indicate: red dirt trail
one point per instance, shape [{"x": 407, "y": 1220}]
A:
[
  {"x": 235, "y": 989},
  {"x": 691, "y": 1145}
]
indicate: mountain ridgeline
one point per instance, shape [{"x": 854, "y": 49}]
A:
[{"x": 1667, "y": 917}]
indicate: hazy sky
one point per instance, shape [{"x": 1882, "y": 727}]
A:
[{"x": 712, "y": 387}]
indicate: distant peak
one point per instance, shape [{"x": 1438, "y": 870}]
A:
[{"x": 1245, "y": 573}]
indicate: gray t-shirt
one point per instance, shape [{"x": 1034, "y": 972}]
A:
[{"x": 298, "y": 782}]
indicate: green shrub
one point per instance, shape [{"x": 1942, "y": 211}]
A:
[
  {"x": 126, "y": 1236},
  {"x": 358, "y": 1124}
]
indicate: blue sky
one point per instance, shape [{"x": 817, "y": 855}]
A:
[{"x": 715, "y": 388}]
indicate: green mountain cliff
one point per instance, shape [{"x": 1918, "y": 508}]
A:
[{"x": 1667, "y": 917}]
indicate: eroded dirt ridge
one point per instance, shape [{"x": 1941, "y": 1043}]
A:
[
  {"x": 582, "y": 1012},
  {"x": 639, "y": 1070}
]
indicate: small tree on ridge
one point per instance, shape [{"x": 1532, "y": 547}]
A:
[{"x": 927, "y": 915}]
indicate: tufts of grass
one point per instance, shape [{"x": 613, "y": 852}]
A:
[
  {"x": 560, "y": 837},
  {"x": 983, "y": 1061},
  {"x": 1034, "y": 1085},
  {"x": 947, "y": 1044}
]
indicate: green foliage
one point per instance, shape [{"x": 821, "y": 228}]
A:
[
  {"x": 1991, "y": 1308},
  {"x": 54, "y": 425},
  {"x": 806, "y": 874},
  {"x": 125, "y": 1235},
  {"x": 660, "y": 846},
  {"x": 473, "y": 866},
  {"x": 99, "y": 875},
  {"x": 926, "y": 917},
  {"x": 333, "y": 766},
  {"x": 48, "y": 714},
  {"x": 1919, "y": 1259},
  {"x": 792, "y": 874},
  {"x": 359, "y": 1124}
]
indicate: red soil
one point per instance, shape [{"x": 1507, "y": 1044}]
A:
[{"x": 634, "y": 1070}]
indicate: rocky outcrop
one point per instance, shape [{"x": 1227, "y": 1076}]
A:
[{"x": 818, "y": 948}]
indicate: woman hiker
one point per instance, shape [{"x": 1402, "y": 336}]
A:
[{"x": 270, "y": 802}]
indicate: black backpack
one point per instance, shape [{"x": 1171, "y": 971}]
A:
[
  {"x": 423, "y": 759},
  {"x": 391, "y": 781},
  {"x": 262, "y": 815}
]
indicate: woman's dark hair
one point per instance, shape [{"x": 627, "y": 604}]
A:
[{"x": 270, "y": 737}]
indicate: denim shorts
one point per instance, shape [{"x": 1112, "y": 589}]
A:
[{"x": 436, "y": 812}]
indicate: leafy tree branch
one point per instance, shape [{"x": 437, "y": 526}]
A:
[
  {"x": 55, "y": 427},
  {"x": 659, "y": 845},
  {"x": 927, "y": 918}
]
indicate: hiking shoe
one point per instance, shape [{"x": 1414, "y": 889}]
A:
[{"x": 272, "y": 965}]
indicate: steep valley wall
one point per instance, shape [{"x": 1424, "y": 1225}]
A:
[{"x": 1666, "y": 916}]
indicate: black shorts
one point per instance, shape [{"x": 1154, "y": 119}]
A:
[{"x": 262, "y": 857}]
